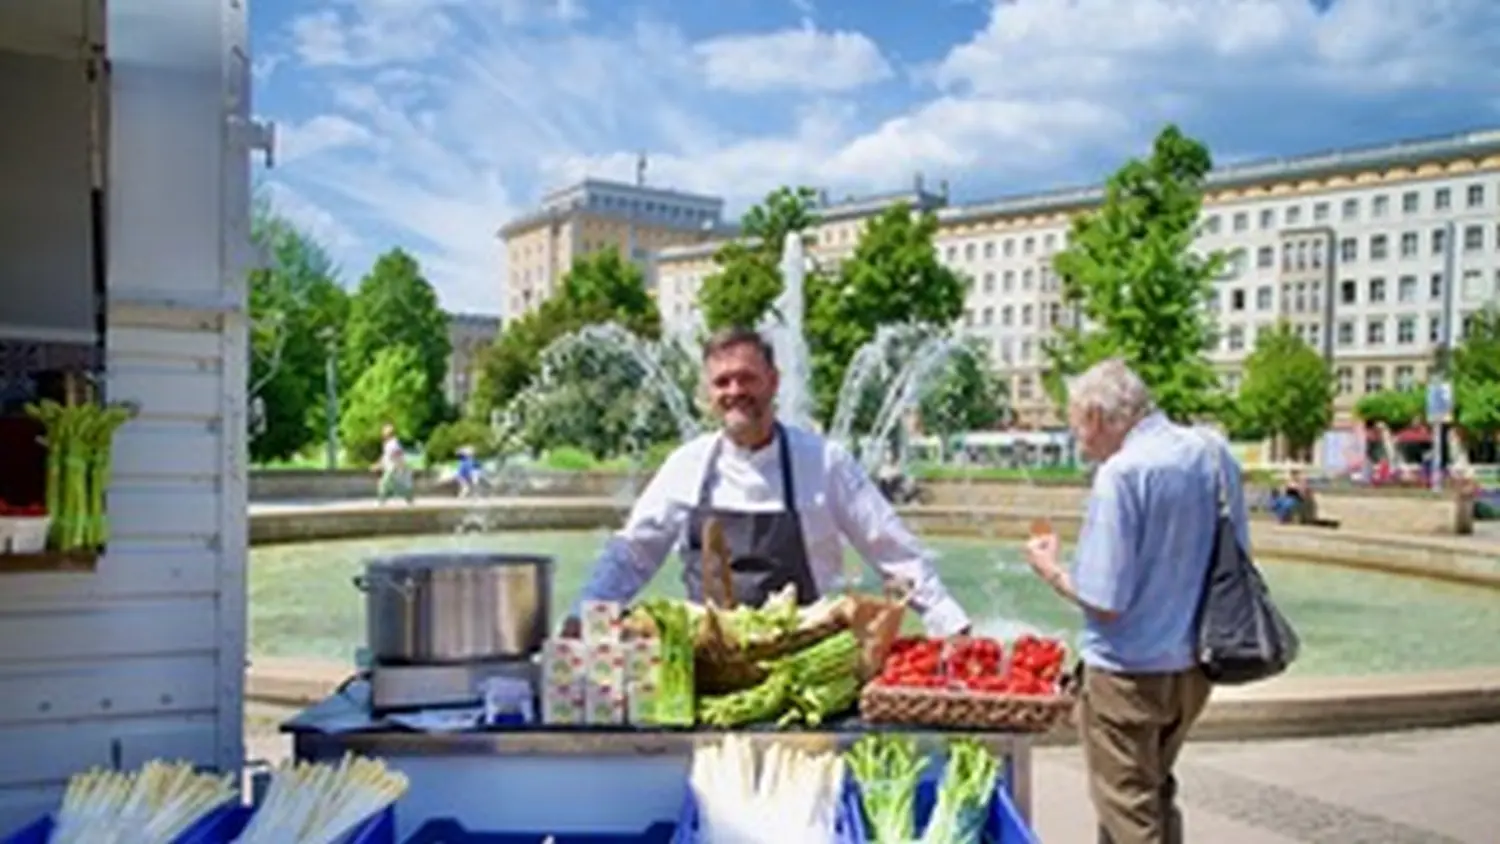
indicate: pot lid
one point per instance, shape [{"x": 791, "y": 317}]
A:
[{"x": 430, "y": 560}]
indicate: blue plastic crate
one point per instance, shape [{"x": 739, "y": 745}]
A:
[
  {"x": 1004, "y": 824},
  {"x": 223, "y": 825},
  {"x": 847, "y": 828},
  {"x": 449, "y": 831}
]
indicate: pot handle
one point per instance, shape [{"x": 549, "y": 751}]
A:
[{"x": 365, "y": 583}]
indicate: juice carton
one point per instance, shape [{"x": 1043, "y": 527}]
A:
[
  {"x": 643, "y": 661},
  {"x": 564, "y": 660},
  {"x": 600, "y": 621},
  {"x": 603, "y": 704},
  {"x": 563, "y": 702},
  {"x": 605, "y": 663},
  {"x": 640, "y": 702}
]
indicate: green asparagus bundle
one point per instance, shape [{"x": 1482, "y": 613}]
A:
[
  {"x": 831, "y": 659},
  {"x": 760, "y": 702},
  {"x": 888, "y": 769},
  {"x": 79, "y": 440},
  {"x": 812, "y": 704}
]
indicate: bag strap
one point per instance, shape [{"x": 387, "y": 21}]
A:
[{"x": 1221, "y": 476}]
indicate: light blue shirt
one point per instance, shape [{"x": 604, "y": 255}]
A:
[{"x": 1145, "y": 545}]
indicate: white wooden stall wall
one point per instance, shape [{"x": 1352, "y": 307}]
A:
[{"x": 145, "y": 658}]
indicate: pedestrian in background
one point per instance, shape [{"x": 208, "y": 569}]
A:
[{"x": 395, "y": 471}]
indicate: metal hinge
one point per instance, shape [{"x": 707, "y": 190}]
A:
[{"x": 256, "y": 136}]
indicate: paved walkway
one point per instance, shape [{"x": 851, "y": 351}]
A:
[{"x": 1438, "y": 787}]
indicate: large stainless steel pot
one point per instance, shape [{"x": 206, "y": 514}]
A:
[{"x": 456, "y": 607}]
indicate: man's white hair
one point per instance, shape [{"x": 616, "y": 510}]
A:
[{"x": 1111, "y": 388}]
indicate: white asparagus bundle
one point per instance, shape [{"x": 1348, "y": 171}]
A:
[
  {"x": 793, "y": 796},
  {"x": 310, "y": 803},
  {"x": 153, "y": 806}
]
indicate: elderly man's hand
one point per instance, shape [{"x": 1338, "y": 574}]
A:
[{"x": 1041, "y": 553}]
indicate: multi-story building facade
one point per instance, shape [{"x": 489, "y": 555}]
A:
[
  {"x": 1361, "y": 250},
  {"x": 678, "y": 272},
  {"x": 595, "y": 215},
  {"x": 469, "y": 335}
]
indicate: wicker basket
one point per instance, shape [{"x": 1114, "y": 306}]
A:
[{"x": 962, "y": 710}]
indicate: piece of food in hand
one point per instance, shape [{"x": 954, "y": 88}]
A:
[{"x": 1041, "y": 527}]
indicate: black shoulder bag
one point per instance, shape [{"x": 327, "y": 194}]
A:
[{"x": 1242, "y": 636}]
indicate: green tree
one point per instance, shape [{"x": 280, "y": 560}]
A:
[
  {"x": 395, "y": 305},
  {"x": 601, "y": 287},
  {"x": 1476, "y": 376},
  {"x": 1131, "y": 271},
  {"x": 293, "y": 300},
  {"x": 749, "y": 276},
  {"x": 1396, "y": 409},
  {"x": 894, "y": 277},
  {"x": 392, "y": 390},
  {"x": 969, "y": 395},
  {"x": 1288, "y": 389}
]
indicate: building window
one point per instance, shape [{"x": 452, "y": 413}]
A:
[
  {"x": 1409, "y": 247},
  {"x": 1212, "y": 302},
  {"x": 1264, "y": 297},
  {"x": 1302, "y": 255},
  {"x": 1236, "y": 338},
  {"x": 1348, "y": 292},
  {"x": 1473, "y": 286},
  {"x": 1236, "y": 300},
  {"x": 1293, "y": 215},
  {"x": 1265, "y": 257},
  {"x": 1320, "y": 212},
  {"x": 1350, "y": 210},
  {"x": 1378, "y": 247},
  {"x": 989, "y": 282},
  {"x": 1434, "y": 329},
  {"x": 1028, "y": 246},
  {"x": 1375, "y": 332},
  {"x": 1406, "y": 289},
  {"x": 1348, "y": 249},
  {"x": 1049, "y": 243},
  {"x": 1406, "y": 377},
  {"x": 1007, "y": 315},
  {"x": 968, "y": 251},
  {"x": 1442, "y": 199},
  {"x": 989, "y": 249},
  {"x": 1377, "y": 290},
  {"x": 1475, "y": 196},
  {"x": 1345, "y": 380},
  {"x": 951, "y": 253},
  {"x": 1211, "y": 224},
  {"x": 1008, "y": 281},
  {"x": 1313, "y": 332},
  {"x": 1473, "y": 238},
  {"x": 1268, "y": 219},
  {"x": 1406, "y": 330},
  {"x": 1374, "y": 379},
  {"x": 1439, "y": 241},
  {"x": 1435, "y": 287},
  {"x": 1026, "y": 278},
  {"x": 1009, "y": 248},
  {"x": 1380, "y": 206},
  {"x": 1241, "y": 221},
  {"x": 1411, "y": 202},
  {"x": 1346, "y": 333},
  {"x": 1025, "y": 315},
  {"x": 987, "y": 316}
]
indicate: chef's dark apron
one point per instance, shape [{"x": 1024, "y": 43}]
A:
[{"x": 766, "y": 549}]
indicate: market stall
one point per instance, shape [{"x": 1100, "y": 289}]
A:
[{"x": 495, "y": 724}]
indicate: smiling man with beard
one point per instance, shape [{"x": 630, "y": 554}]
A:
[{"x": 786, "y": 498}]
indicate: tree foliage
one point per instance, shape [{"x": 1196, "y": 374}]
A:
[
  {"x": 894, "y": 277},
  {"x": 749, "y": 277},
  {"x": 294, "y": 300},
  {"x": 602, "y": 287},
  {"x": 395, "y": 305},
  {"x": 394, "y": 390},
  {"x": 968, "y": 395},
  {"x": 1131, "y": 270},
  {"x": 1476, "y": 375},
  {"x": 1396, "y": 409},
  {"x": 1288, "y": 389}
]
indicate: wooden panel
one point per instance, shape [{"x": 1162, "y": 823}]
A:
[
  {"x": 144, "y": 628},
  {"x": 125, "y": 573},
  {"x": 137, "y": 510},
  {"x": 51, "y": 753},
  {"x": 118, "y": 688},
  {"x": 167, "y": 392},
  {"x": 146, "y": 448},
  {"x": 132, "y": 344}
]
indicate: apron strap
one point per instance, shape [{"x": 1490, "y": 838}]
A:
[{"x": 784, "y": 453}]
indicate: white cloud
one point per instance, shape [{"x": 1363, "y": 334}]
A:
[
  {"x": 798, "y": 59},
  {"x": 317, "y": 221},
  {"x": 435, "y": 120}
]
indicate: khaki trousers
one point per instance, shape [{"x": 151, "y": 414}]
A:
[{"x": 1131, "y": 727}]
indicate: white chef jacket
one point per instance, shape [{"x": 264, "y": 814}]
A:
[{"x": 835, "y": 500}]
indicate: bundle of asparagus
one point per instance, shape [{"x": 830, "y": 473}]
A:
[
  {"x": 319, "y": 804},
  {"x": 154, "y": 806},
  {"x": 785, "y": 795},
  {"x": 79, "y": 439}
]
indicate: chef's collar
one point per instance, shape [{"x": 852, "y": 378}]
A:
[{"x": 743, "y": 453}]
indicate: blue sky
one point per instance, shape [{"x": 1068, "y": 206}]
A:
[{"x": 427, "y": 123}]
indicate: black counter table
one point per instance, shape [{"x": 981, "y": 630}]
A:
[{"x": 558, "y": 780}]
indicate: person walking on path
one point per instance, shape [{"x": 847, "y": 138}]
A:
[
  {"x": 1142, "y": 555},
  {"x": 395, "y": 472}
]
